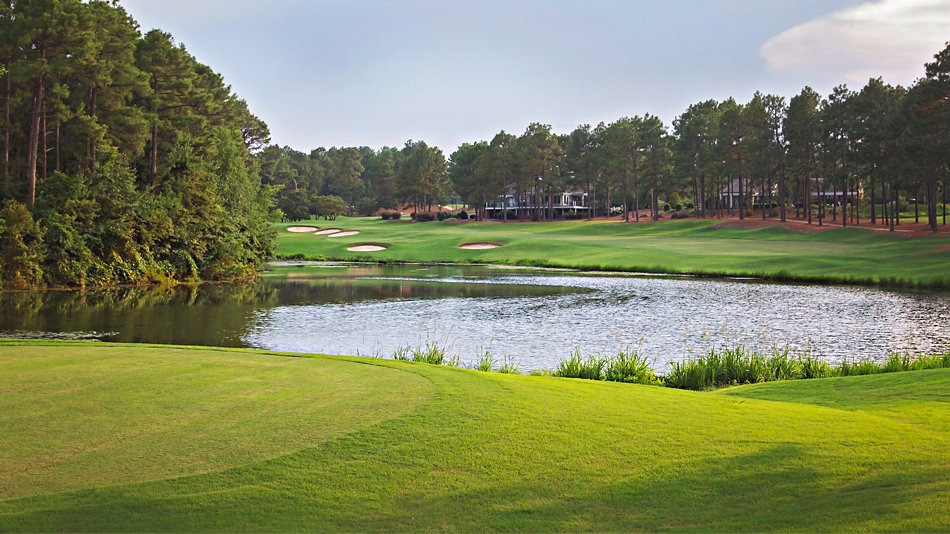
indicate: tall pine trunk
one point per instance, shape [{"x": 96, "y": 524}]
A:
[
  {"x": 92, "y": 141},
  {"x": 39, "y": 89},
  {"x": 932, "y": 204},
  {"x": 44, "y": 148},
  {"x": 153, "y": 157},
  {"x": 6, "y": 132}
]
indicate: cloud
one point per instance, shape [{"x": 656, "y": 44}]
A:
[{"x": 887, "y": 38}]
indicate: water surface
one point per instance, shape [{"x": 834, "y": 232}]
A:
[{"x": 536, "y": 317}]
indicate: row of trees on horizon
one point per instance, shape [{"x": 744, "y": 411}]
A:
[{"x": 876, "y": 146}]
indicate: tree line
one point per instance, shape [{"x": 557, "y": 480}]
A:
[
  {"x": 861, "y": 151},
  {"x": 122, "y": 158},
  {"x": 350, "y": 180},
  {"x": 852, "y": 153}
]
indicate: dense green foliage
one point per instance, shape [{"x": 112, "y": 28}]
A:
[
  {"x": 855, "y": 154},
  {"x": 837, "y": 255},
  {"x": 255, "y": 442},
  {"x": 363, "y": 179},
  {"x": 858, "y": 152},
  {"x": 124, "y": 160}
]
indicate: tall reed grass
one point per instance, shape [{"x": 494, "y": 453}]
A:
[
  {"x": 738, "y": 365},
  {"x": 626, "y": 366}
]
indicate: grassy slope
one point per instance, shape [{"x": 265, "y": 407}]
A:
[
  {"x": 499, "y": 452},
  {"x": 676, "y": 246}
]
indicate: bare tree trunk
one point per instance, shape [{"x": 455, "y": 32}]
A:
[
  {"x": 6, "y": 133},
  {"x": 844, "y": 205},
  {"x": 92, "y": 141},
  {"x": 32, "y": 149},
  {"x": 932, "y": 207},
  {"x": 782, "y": 195},
  {"x": 626, "y": 211},
  {"x": 917, "y": 207},
  {"x": 897, "y": 207},
  {"x": 44, "y": 149},
  {"x": 873, "y": 205},
  {"x": 702, "y": 193},
  {"x": 58, "y": 168},
  {"x": 891, "y": 206},
  {"x": 153, "y": 158},
  {"x": 741, "y": 195},
  {"x": 636, "y": 197}
]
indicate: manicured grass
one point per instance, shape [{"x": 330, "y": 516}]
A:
[
  {"x": 849, "y": 255},
  {"x": 445, "y": 449}
]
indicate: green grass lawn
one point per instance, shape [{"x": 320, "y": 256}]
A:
[
  {"x": 841, "y": 254},
  {"x": 131, "y": 438}
]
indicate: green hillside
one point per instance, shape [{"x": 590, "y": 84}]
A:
[{"x": 131, "y": 438}]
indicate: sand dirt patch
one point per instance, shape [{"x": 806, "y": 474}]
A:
[
  {"x": 344, "y": 234},
  {"x": 367, "y": 248},
  {"x": 329, "y": 231},
  {"x": 302, "y": 229},
  {"x": 479, "y": 246}
]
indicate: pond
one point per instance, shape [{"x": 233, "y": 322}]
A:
[{"x": 536, "y": 317}]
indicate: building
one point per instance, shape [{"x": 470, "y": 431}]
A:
[{"x": 564, "y": 202}]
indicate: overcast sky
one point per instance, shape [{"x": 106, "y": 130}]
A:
[{"x": 377, "y": 73}]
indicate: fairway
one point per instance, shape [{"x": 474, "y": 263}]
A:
[
  {"x": 692, "y": 246},
  {"x": 346, "y": 444}
]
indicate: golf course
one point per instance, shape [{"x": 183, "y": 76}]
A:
[
  {"x": 706, "y": 247},
  {"x": 116, "y": 438}
]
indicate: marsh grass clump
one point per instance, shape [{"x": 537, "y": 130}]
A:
[
  {"x": 508, "y": 366},
  {"x": 576, "y": 366},
  {"x": 626, "y": 366},
  {"x": 402, "y": 354},
  {"x": 630, "y": 367},
  {"x": 432, "y": 353},
  {"x": 485, "y": 363}
]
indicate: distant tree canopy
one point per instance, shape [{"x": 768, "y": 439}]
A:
[
  {"x": 124, "y": 160},
  {"x": 854, "y": 150}
]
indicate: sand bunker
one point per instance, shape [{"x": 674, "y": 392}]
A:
[
  {"x": 367, "y": 248},
  {"x": 329, "y": 231},
  {"x": 344, "y": 234},
  {"x": 478, "y": 246},
  {"x": 302, "y": 229}
]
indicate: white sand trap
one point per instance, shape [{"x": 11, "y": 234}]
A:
[
  {"x": 479, "y": 246},
  {"x": 344, "y": 234},
  {"x": 329, "y": 231},
  {"x": 367, "y": 248},
  {"x": 302, "y": 229}
]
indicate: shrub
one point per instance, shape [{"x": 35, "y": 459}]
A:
[
  {"x": 666, "y": 207},
  {"x": 443, "y": 216},
  {"x": 679, "y": 207},
  {"x": 424, "y": 217},
  {"x": 395, "y": 215},
  {"x": 367, "y": 207},
  {"x": 21, "y": 244},
  {"x": 463, "y": 215},
  {"x": 679, "y": 215}
]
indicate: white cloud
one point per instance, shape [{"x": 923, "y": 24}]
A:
[{"x": 888, "y": 38}]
